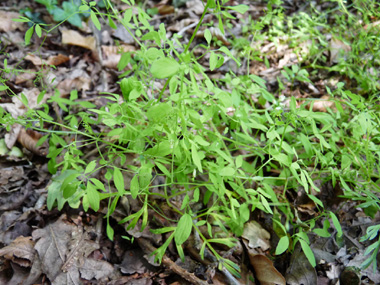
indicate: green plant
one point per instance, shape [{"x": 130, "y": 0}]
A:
[
  {"x": 205, "y": 148},
  {"x": 68, "y": 11}
]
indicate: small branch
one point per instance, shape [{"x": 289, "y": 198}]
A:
[{"x": 168, "y": 263}]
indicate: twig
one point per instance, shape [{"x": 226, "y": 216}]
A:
[{"x": 168, "y": 263}]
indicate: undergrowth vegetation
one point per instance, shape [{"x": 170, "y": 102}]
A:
[{"x": 211, "y": 152}]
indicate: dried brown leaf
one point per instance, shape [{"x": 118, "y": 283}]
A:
[
  {"x": 71, "y": 37},
  {"x": 26, "y": 75},
  {"x": 7, "y": 24},
  {"x": 322, "y": 104},
  {"x": 112, "y": 54},
  {"x": 63, "y": 249},
  {"x": 165, "y": 9},
  {"x": 256, "y": 235},
  {"x": 265, "y": 272},
  {"x": 20, "y": 251},
  {"x": 57, "y": 59},
  {"x": 29, "y": 138}
]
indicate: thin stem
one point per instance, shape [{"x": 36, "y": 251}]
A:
[{"x": 197, "y": 27}]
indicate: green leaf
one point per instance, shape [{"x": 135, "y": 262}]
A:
[
  {"x": 208, "y": 36},
  {"x": 90, "y": 167},
  {"x": 239, "y": 8},
  {"x": 308, "y": 252},
  {"x": 68, "y": 187},
  {"x": 227, "y": 52},
  {"x": 161, "y": 250},
  {"x": 152, "y": 35},
  {"x": 118, "y": 180},
  {"x": 213, "y": 60},
  {"x": 111, "y": 23},
  {"x": 98, "y": 184},
  {"x": 164, "y": 67},
  {"x": 239, "y": 161},
  {"x": 322, "y": 233},
  {"x": 28, "y": 35},
  {"x": 135, "y": 187},
  {"x": 201, "y": 141},
  {"x": 44, "y": 115},
  {"x": 21, "y": 19},
  {"x": 110, "y": 231},
  {"x": 161, "y": 149},
  {"x": 282, "y": 245},
  {"x": 95, "y": 20},
  {"x": 145, "y": 176},
  {"x": 336, "y": 224},
  {"x": 93, "y": 197},
  {"x": 123, "y": 62},
  {"x": 127, "y": 16},
  {"x": 227, "y": 171},
  {"x": 183, "y": 230},
  {"x": 163, "y": 169},
  {"x": 195, "y": 157},
  {"x": 180, "y": 252},
  {"x": 162, "y": 230},
  {"x": 3, "y": 87},
  {"x": 282, "y": 158},
  {"x": 38, "y": 30}
]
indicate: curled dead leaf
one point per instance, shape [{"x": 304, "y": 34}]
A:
[
  {"x": 265, "y": 272},
  {"x": 20, "y": 251},
  {"x": 29, "y": 138}
]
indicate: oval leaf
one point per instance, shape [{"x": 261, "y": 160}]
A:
[
  {"x": 118, "y": 180},
  {"x": 164, "y": 67},
  {"x": 183, "y": 231}
]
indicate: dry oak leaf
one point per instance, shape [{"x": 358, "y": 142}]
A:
[
  {"x": 71, "y": 37},
  {"x": 265, "y": 272},
  {"x": 29, "y": 138},
  {"x": 256, "y": 235},
  {"x": 20, "y": 251},
  {"x": 7, "y": 24},
  {"x": 322, "y": 104},
  {"x": 26, "y": 75},
  {"x": 52, "y": 60},
  {"x": 112, "y": 54}
]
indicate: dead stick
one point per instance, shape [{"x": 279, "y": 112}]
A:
[{"x": 146, "y": 245}]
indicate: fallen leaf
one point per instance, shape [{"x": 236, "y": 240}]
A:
[
  {"x": 112, "y": 54},
  {"x": 165, "y": 9},
  {"x": 71, "y": 37},
  {"x": 338, "y": 50},
  {"x": 7, "y": 24},
  {"x": 63, "y": 249},
  {"x": 323, "y": 103},
  {"x": 256, "y": 236},
  {"x": 29, "y": 138},
  {"x": 265, "y": 272},
  {"x": 300, "y": 271},
  {"x": 26, "y": 75},
  {"x": 20, "y": 251}
]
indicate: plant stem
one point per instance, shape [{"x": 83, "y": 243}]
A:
[{"x": 197, "y": 27}]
